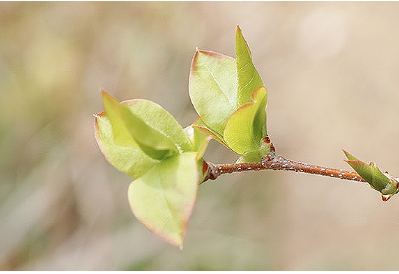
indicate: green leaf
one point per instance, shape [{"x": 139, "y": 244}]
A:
[
  {"x": 247, "y": 126},
  {"x": 381, "y": 182},
  {"x": 126, "y": 154},
  {"x": 154, "y": 142},
  {"x": 160, "y": 119},
  {"x": 224, "y": 98},
  {"x": 248, "y": 77},
  {"x": 213, "y": 88},
  {"x": 163, "y": 199},
  {"x": 130, "y": 160},
  {"x": 121, "y": 132}
]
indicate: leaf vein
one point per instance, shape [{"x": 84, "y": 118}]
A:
[{"x": 219, "y": 86}]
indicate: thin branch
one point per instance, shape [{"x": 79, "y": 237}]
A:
[{"x": 277, "y": 162}]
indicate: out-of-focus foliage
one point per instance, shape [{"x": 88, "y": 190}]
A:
[{"x": 331, "y": 74}]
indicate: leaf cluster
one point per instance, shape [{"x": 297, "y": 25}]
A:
[{"x": 141, "y": 139}]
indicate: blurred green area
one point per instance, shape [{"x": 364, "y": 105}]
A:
[{"x": 331, "y": 70}]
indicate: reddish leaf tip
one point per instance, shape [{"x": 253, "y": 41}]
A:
[
  {"x": 108, "y": 97},
  {"x": 193, "y": 61},
  {"x": 345, "y": 152},
  {"x": 385, "y": 198}
]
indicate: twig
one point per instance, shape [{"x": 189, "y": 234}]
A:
[{"x": 277, "y": 162}]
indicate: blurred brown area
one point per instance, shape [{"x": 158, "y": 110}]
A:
[{"x": 332, "y": 74}]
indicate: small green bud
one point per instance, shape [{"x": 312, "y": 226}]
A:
[{"x": 382, "y": 182}]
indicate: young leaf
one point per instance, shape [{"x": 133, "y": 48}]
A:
[
  {"x": 213, "y": 88},
  {"x": 163, "y": 199},
  {"x": 249, "y": 79},
  {"x": 154, "y": 142},
  {"x": 121, "y": 132},
  {"x": 230, "y": 109},
  {"x": 125, "y": 154},
  {"x": 381, "y": 182},
  {"x": 247, "y": 126},
  {"x": 158, "y": 118},
  {"x": 128, "y": 159}
]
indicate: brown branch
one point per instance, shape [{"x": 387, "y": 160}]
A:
[{"x": 277, "y": 162}]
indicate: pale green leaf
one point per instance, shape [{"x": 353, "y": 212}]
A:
[
  {"x": 248, "y": 77},
  {"x": 128, "y": 159},
  {"x": 164, "y": 197},
  {"x": 156, "y": 143},
  {"x": 247, "y": 126},
  {"x": 153, "y": 142},
  {"x": 160, "y": 119},
  {"x": 121, "y": 133},
  {"x": 213, "y": 88},
  {"x": 126, "y": 155}
]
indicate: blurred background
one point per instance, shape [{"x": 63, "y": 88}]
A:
[{"x": 332, "y": 74}]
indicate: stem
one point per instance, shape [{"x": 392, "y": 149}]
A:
[{"x": 277, "y": 162}]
